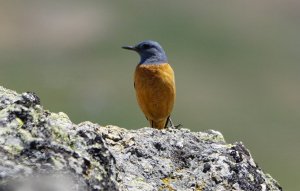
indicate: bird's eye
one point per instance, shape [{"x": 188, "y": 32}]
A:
[{"x": 146, "y": 46}]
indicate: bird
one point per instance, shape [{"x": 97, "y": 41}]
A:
[{"x": 154, "y": 83}]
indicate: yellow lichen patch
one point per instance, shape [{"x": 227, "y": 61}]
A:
[
  {"x": 13, "y": 149},
  {"x": 24, "y": 135},
  {"x": 59, "y": 134},
  {"x": 167, "y": 184},
  {"x": 20, "y": 122},
  {"x": 199, "y": 187}
]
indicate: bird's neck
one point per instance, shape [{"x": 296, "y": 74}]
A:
[{"x": 154, "y": 59}]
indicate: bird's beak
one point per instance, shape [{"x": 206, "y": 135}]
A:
[{"x": 129, "y": 47}]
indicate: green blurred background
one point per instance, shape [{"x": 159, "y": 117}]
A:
[{"x": 236, "y": 63}]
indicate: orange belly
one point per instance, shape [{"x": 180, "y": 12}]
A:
[{"x": 155, "y": 92}]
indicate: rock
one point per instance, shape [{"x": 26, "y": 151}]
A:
[{"x": 40, "y": 150}]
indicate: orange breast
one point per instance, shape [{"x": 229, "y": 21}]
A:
[{"x": 155, "y": 92}]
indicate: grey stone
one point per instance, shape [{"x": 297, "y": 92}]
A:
[
  {"x": 45, "y": 151},
  {"x": 40, "y": 150}
]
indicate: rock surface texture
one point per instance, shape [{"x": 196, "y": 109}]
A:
[{"x": 40, "y": 150}]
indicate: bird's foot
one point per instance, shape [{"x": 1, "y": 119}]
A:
[
  {"x": 172, "y": 126},
  {"x": 175, "y": 126}
]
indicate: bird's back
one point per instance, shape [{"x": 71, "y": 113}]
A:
[{"x": 155, "y": 91}]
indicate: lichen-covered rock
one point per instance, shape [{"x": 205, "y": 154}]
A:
[
  {"x": 43, "y": 149},
  {"x": 150, "y": 159},
  {"x": 40, "y": 150}
]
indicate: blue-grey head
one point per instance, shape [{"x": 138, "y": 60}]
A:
[{"x": 150, "y": 52}]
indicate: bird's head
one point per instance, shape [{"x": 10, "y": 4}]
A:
[{"x": 150, "y": 52}]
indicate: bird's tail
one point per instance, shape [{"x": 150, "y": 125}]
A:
[{"x": 161, "y": 124}]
